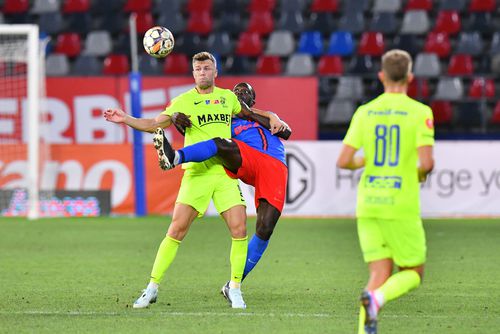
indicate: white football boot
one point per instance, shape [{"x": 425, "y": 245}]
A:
[{"x": 147, "y": 297}]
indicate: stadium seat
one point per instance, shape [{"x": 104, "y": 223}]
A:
[
  {"x": 448, "y": 21},
  {"x": 470, "y": 43},
  {"x": 354, "y": 22},
  {"x": 230, "y": 22},
  {"x": 76, "y": 6},
  {"x": 280, "y": 43},
  {"x": 291, "y": 21},
  {"x": 325, "y": 90},
  {"x": 115, "y": 23},
  {"x": 98, "y": 43},
  {"x": 361, "y": 65},
  {"x": 438, "y": 43},
  {"x": 189, "y": 44},
  {"x": 261, "y": 22},
  {"x": 322, "y": 22},
  {"x": 449, "y": 89},
  {"x": 338, "y": 112},
  {"x": 175, "y": 22},
  {"x": 193, "y": 6},
  {"x": 220, "y": 43},
  {"x": 116, "y": 64},
  {"x": 68, "y": 44},
  {"x": 329, "y": 6},
  {"x": 457, "y": 5},
  {"x": 407, "y": 42},
  {"x": 200, "y": 22},
  {"x": 372, "y": 88},
  {"x": 495, "y": 64},
  {"x": 341, "y": 43},
  {"x": 56, "y": 65},
  {"x": 419, "y": 5},
  {"x": 330, "y": 65},
  {"x": 165, "y": 6},
  {"x": 482, "y": 5},
  {"x": 144, "y": 21},
  {"x": 268, "y": 65},
  {"x": 415, "y": 22},
  {"x": 79, "y": 22},
  {"x": 482, "y": 88},
  {"x": 461, "y": 64},
  {"x": 387, "y": 6},
  {"x": 121, "y": 44},
  {"x": 15, "y": 6},
  {"x": 137, "y": 6},
  {"x": 358, "y": 6},
  {"x": 427, "y": 65},
  {"x": 442, "y": 111},
  {"x": 495, "y": 44},
  {"x": 291, "y": 5},
  {"x": 349, "y": 88},
  {"x": 106, "y": 8},
  {"x": 470, "y": 114},
  {"x": 87, "y": 65},
  {"x": 311, "y": 42},
  {"x": 238, "y": 65},
  {"x": 419, "y": 88},
  {"x": 371, "y": 44},
  {"x": 495, "y": 117},
  {"x": 300, "y": 65},
  {"x": 176, "y": 64},
  {"x": 45, "y": 6},
  {"x": 249, "y": 44},
  {"x": 261, "y": 5},
  {"x": 51, "y": 23},
  {"x": 384, "y": 22},
  {"x": 480, "y": 22}
]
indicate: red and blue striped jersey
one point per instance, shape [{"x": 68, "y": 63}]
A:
[{"x": 255, "y": 135}]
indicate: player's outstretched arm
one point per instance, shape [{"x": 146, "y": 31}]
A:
[
  {"x": 267, "y": 119},
  {"x": 142, "y": 124}
]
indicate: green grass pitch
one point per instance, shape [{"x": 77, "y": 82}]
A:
[{"x": 82, "y": 275}]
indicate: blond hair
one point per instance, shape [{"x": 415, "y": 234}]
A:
[
  {"x": 202, "y": 56},
  {"x": 396, "y": 65}
]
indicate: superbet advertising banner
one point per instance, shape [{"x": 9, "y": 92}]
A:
[{"x": 89, "y": 153}]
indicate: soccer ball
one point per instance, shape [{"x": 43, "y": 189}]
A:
[{"x": 158, "y": 42}]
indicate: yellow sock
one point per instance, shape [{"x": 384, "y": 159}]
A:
[
  {"x": 399, "y": 284},
  {"x": 238, "y": 258},
  {"x": 164, "y": 257},
  {"x": 361, "y": 321}
]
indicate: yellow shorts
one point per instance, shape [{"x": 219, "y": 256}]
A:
[
  {"x": 403, "y": 241},
  {"x": 198, "y": 189}
]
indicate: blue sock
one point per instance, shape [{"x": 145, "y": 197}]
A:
[
  {"x": 198, "y": 152},
  {"x": 256, "y": 247}
]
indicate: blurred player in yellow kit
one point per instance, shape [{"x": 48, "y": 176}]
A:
[{"x": 396, "y": 134}]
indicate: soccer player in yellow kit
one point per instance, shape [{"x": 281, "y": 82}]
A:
[
  {"x": 396, "y": 134},
  {"x": 210, "y": 109}
]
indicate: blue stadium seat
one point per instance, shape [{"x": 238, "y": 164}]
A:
[
  {"x": 311, "y": 42},
  {"x": 341, "y": 43}
]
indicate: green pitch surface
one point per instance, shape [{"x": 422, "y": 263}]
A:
[{"x": 82, "y": 276}]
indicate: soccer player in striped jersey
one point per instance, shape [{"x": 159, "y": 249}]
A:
[
  {"x": 396, "y": 134},
  {"x": 254, "y": 155}
]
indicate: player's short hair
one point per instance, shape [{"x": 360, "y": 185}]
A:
[
  {"x": 396, "y": 65},
  {"x": 204, "y": 55}
]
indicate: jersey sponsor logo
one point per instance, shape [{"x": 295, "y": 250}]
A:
[
  {"x": 240, "y": 128},
  {"x": 214, "y": 118},
  {"x": 429, "y": 123},
  {"x": 383, "y": 182}
]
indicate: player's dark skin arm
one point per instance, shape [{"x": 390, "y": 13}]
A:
[{"x": 248, "y": 113}]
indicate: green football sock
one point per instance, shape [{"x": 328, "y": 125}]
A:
[
  {"x": 164, "y": 257},
  {"x": 399, "y": 284},
  {"x": 238, "y": 258}
]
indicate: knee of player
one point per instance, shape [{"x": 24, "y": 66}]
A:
[{"x": 264, "y": 229}]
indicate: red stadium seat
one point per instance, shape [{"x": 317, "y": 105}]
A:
[
  {"x": 76, "y": 6},
  {"x": 419, "y": 5},
  {"x": 200, "y": 22},
  {"x": 371, "y": 44},
  {"x": 261, "y": 22},
  {"x": 15, "y": 6},
  {"x": 329, "y": 6},
  {"x": 177, "y": 64},
  {"x": 249, "y": 44},
  {"x": 330, "y": 65},
  {"x": 481, "y": 87},
  {"x": 137, "y": 6},
  {"x": 482, "y": 6},
  {"x": 199, "y": 6},
  {"x": 442, "y": 111},
  {"x": 144, "y": 21},
  {"x": 69, "y": 44},
  {"x": 116, "y": 64},
  {"x": 448, "y": 21},
  {"x": 438, "y": 43},
  {"x": 418, "y": 88},
  {"x": 261, "y": 5},
  {"x": 270, "y": 65},
  {"x": 461, "y": 64},
  {"x": 495, "y": 118}
]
